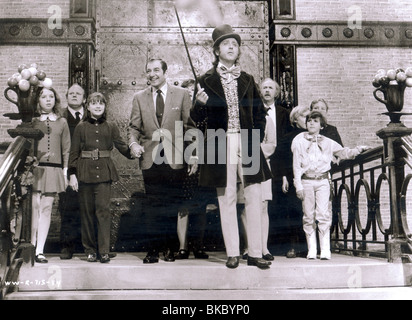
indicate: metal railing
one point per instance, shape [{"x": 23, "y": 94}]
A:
[
  {"x": 356, "y": 227},
  {"x": 370, "y": 209},
  {"x": 11, "y": 165}
]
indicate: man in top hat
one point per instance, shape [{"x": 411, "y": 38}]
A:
[{"x": 230, "y": 102}]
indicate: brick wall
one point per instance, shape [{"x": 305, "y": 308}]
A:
[
  {"x": 32, "y": 8},
  {"x": 343, "y": 77},
  {"x": 371, "y": 10},
  {"x": 53, "y": 60}
]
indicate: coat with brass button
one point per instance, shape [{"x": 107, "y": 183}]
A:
[{"x": 92, "y": 135}]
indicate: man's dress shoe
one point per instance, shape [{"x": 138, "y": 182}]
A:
[
  {"x": 182, "y": 254},
  {"x": 105, "y": 258},
  {"x": 66, "y": 254},
  {"x": 151, "y": 257},
  {"x": 169, "y": 256},
  {"x": 268, "y": 257},
  {"x": 232, "y": 262},
  {"x": 200, "y": 254},
  {"x": 258, "y": 262}
]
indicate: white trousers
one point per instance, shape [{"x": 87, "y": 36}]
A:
[
  {"x": 227, "y": 198},
  {"x": 316, "y": 206}
]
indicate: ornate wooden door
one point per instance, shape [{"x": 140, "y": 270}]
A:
[{"x": 129, "y": 32}]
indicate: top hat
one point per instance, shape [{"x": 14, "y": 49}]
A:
[{"x": 223, "y": 32}]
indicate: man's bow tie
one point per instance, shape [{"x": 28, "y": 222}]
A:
[{"x": 229, "y": 74}]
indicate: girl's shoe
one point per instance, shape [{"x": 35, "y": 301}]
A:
[{"x": 40, "y": 258}]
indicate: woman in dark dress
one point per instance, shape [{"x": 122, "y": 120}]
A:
[{"x": 283, "y": 158}]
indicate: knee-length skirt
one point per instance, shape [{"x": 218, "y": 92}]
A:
[{"x": 48, "y": 179}]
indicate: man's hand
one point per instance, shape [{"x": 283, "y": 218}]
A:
[
  {"x": 193, "y": 166},
  {"x": 136, "y": 150},
  {"x": 201, "y": 95}
]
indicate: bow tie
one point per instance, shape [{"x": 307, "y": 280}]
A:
[
  {"x": 314, "y": 139},
  {"x": 317, "y": 138},
  {"x": 228, "y": 75}
]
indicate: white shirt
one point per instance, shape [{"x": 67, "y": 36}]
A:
[
  {"x": 164, "y": 93},
  {"x": 73, "y": 112},
  {"x": 272, "y": 115}
]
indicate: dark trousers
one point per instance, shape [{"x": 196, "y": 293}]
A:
[
  {"x": 95, "y": 207},
  {"x": 69, "y": 208},
  {"x": 285, "y": 212},
  {"x": 163, "y": 198}
]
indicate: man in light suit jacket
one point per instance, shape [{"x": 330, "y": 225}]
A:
[{"x": 159, "y": 119}]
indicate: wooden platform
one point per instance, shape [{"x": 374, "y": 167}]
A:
[{"x": 126, "y": 277}]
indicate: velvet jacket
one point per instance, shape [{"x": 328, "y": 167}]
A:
[{"x": 252, "y": 115}]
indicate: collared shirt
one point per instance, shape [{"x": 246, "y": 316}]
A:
[
  {"x": 314, "y": 154},
  {"x": 50, "y": 116},
  {"x": 272, "y": 114},
  {"x": 73, "y": 112},
  {"x": 232, "y": 100},
  {"x": 164, "y": 94}
]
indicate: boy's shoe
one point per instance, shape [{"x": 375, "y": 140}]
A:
[
  {"x": 325, "y": 255},
  {"x": 91, "y": 257}
]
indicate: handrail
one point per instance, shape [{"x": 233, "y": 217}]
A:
[
  {"x": 11, "y": 165},
  {"x": 11, "y": 160}
]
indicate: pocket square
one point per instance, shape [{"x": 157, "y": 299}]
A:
[{"x": 176, "y": 108}]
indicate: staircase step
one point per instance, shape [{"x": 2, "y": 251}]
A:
[{"x": 127, "y": 272}]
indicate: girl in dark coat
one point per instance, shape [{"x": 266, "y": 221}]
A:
[{"x": 92, "y": 172}]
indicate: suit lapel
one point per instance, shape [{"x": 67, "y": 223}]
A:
[
  {"x": 243, "y": 83},
  {"x": 214, "y": 83}
]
